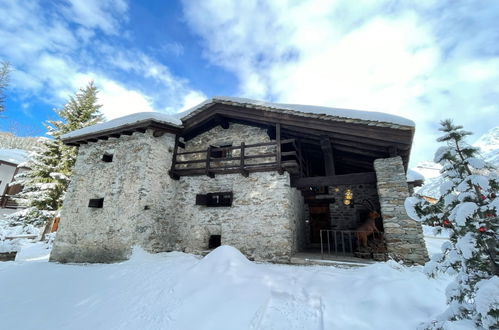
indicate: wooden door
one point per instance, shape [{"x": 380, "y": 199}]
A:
[{"x": 319, "y": 219}]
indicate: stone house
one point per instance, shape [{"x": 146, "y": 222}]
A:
[
  {"x": 269, "y": 179},
  {"x": 11, "y": 163}
]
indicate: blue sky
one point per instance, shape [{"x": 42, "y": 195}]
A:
[{"x": 424, "y": 60}]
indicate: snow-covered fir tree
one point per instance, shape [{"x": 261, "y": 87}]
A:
[
  {"x": 45, "y": 184},
  {"x": 469, "y": 207}
]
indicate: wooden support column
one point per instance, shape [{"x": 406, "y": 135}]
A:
[
  {"x": 279, "y": 146},
  {"x": 174, "y": 160},
  {"x": 208, "y": 158},
  {"x": 327, "y": 150},
  {"x": 244, "y": 172}
]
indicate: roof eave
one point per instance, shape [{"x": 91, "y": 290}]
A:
[{"x": 121, "y": 130}]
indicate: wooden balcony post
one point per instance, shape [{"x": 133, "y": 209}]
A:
[
  {"x": 241, "y": 162},
  {"x": 208, "y": 158},
  {"x": 279, "y": 147},
  {"x": 327, "y": 151}
]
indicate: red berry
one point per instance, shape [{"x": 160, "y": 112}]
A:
[
  {"x": 446, "y": 222},
  {"x": 482, "y": 229},
  {"x": 483, "y": 197}
]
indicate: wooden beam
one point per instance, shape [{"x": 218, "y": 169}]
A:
[
  {"x": 392, "y": 151},
  {"x": 241, "y": 161},
  {"x": 327, "y": 150},
  {"x": 174, "y": 160},
  {"x": 320, "y": 181},
  {"x": 208, "y": 158},
  {"x": 352, "y": 150},
  {"x": 310, "y": 133}
]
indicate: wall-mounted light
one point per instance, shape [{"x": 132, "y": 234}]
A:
[{"x": 348, "y": 198}]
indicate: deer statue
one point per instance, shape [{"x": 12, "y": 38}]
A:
[{"x": 369, "y": 226}]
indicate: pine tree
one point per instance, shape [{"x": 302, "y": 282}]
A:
[
  {"x": 50, "y": 165},
  {"x": 469, "y": 206}
]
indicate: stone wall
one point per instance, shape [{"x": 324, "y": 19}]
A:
[
  {"x": 138, "y": 200},
  {"x": 404, "y": 236},
  {"x": 263, "y": 222},
  {"x": 144, "y": 206}
]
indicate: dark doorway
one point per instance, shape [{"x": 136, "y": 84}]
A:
[{"x": 319, "y": 220}]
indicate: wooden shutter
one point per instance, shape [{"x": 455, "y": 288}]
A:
[{"x": 201, "y": 199}]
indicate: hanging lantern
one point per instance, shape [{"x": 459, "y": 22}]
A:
[{"x": 347, "y": 199}]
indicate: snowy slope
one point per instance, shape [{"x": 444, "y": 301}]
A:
[
  {"x": 489, "y": 151},
  {"x": 10, "y": 141},
  {"x": 221, "y": 291},
  {"x": 489, "y": 146}
]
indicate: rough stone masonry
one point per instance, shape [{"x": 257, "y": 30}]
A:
[
  {"x": 404, "y": 236},
  {"x": 143, "y": 206}
]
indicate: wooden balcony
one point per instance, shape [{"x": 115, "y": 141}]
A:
[
  {"x": 8, "y": 202},
  {"x": 277, "y": 156}
]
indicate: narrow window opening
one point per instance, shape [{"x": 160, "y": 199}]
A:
[
  {"x": 96, "y": 203},
  {"x": 215, "y": 241},
  {"x": 108, "y": 158},
  {"x": 219, "y": 199}
]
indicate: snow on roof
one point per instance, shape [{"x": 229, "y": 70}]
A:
[
  {"x": 414, "y": 176},
  {"x": 15, "y": 156},
  {"x": 134, "y": 118},
  {"x": 306, "y": 109},
  {"x": 369, "y": 116}
]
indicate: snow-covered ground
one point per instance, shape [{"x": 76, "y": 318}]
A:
[{"x": 220, "y": 291}]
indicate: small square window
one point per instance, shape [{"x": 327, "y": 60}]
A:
[
  {"x": 108, "y": 158},
  {"x": 96, "y": 203},
  {"x": 215, "y": 241}
]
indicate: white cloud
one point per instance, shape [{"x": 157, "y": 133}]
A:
[
  {"x": 191, "y": 99},
  {"x": 52, "y": 58},
  {"x": 102, "y": 14},
  {"x": 118, "y": 101},
  {"x": 426, "y": 61}
]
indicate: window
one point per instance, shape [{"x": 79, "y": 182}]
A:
[
  {"x": 96, "y": 203},
  {"x": 219, "y": 199},
  {"x": 221, "y": 153},
  {"x": 215, "y": 241},
  {"x": 108, "y": 158}
]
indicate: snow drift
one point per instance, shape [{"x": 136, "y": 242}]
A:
[{"x": 220, "y": 291}]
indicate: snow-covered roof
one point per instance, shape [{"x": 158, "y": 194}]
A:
[
  {"x": 414, "y": 176},
  {"x": 15, "y": 156},
  {"x": 147, "y": 119},
  {"x": 369, "y": 116},
  {"x": 133, "y": 119}
]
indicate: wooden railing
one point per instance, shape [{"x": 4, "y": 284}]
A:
[
  {"x": 8, "y": 202},
  {"x": 346, "y": 243},
  {"x": 245, "y": 158}
]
